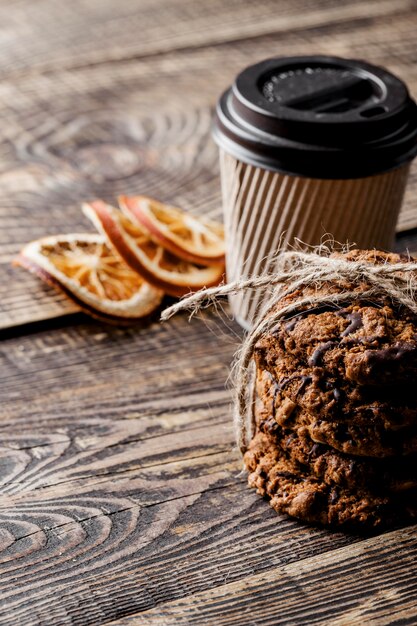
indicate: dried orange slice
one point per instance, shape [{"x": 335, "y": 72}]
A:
[
  {"x": 89, "y": 271},
  {"x": 191, "y": 238},
  {"x": 157, "y": 266}
]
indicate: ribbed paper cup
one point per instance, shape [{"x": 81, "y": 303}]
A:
[
  {"x": 310, "y": 148},
  {"x": 267, "y": 211}
]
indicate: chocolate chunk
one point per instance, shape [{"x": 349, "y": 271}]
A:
[
  {"x": 356, "y": 322},
  {"x": 316, "y": 357},
  {"x": 385, "y": 366},
  {"x": 337, "y": 394}
]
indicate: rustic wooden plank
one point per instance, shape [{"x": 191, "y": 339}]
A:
[
  {"x": 120, "y": 488},
  {"x": 99, "y": 556},
  {"x": 72, "y": 393},
  {"x": 93, "y": 375},
  {"x": 47, "y": 35},
  {"x": 371, "y": 582},
  {"x": 122, "y": 498},
  {"x": 110, "y": 547},
  {"x": 56, "y": 462},
  {"x": 103, "y": 517},
  {"x": 104, "y": 130},
  {"x": 74, "y": 398}
]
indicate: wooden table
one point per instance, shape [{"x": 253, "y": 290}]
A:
[{"x": 122, "y": 498}]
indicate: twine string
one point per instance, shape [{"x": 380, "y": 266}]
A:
[{"x": 293, "y": 270}]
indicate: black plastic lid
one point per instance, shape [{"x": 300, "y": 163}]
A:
[{"x": 318, "y": 116}]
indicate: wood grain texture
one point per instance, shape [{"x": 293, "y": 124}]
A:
[
  {"x": 345, "y": 587},
  {"x": 136, "y": 126},
  {"x": 95, "y": 557},
  {"x": 53, "y": 35},
  {"x": 93, "y": 375},
  {"x": 120, "y": 487},
  {"x": 122, "y": 498}
]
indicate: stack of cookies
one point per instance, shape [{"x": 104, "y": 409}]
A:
[{"x": 336, "y": 410}]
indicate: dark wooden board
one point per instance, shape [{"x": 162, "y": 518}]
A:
[
  {"x": 48, "y": 35},
  {"x": 122, "y": 496},
  {"x": 144, "y": 126},
  {"x": 100, "y": 374},
  {"x": 119, "y": 475},
  {"x": 372, "y": 582}
]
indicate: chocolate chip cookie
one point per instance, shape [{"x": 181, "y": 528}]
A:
[
  {"x": 364, "y": 434},
  {"x": 305, "y": 497},
  {"x": 392, "y": 474},
  {"x": 336, "y": 413},
  {"x": 336, "y": 361}
]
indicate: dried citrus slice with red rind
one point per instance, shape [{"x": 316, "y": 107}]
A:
[
  {"x": 87, "y": 269},
  {"x": 192, "y": 238},
  {"x": 157, "y": 266}
]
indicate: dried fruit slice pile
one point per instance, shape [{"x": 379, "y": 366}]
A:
[
  {"x": 151, "y": 260},
  {"x": 144, "y": 250}
]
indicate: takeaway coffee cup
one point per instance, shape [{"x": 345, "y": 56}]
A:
[{"x": 309, "y": 147}]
